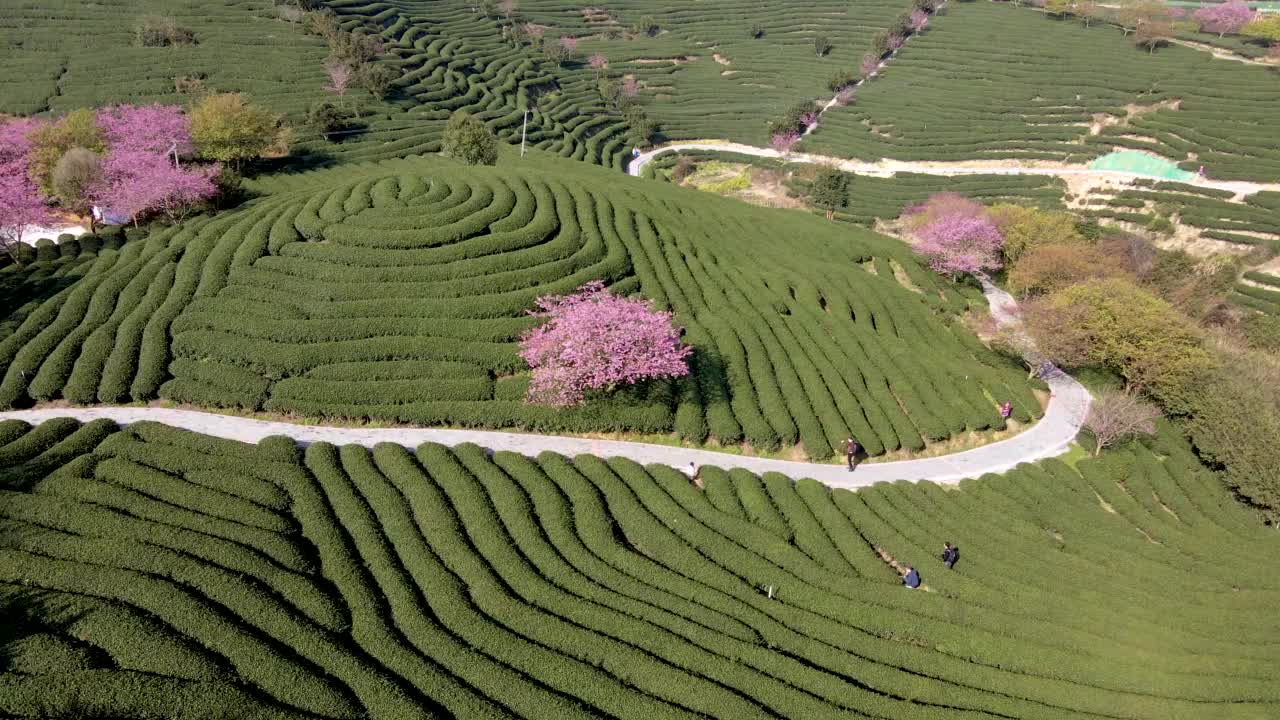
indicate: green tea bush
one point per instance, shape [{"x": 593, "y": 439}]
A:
[{"x": 349, "y": 582}]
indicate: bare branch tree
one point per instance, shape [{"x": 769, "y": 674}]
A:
[{"x": 1119, "y": 414}]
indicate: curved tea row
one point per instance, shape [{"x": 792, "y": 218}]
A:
[
  {"x": 397, "y": 292},
  {"x": 159, "y": 570}
]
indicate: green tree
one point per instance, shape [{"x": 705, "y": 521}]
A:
[
  {"x": 230, "y": 129},
  {"x": 1025, "y": 227},
  {"x": 1113, "y": 324},
  {"x": 375, "y": 78},
  {"x": 77, "y": 129},
  {"x": 469, "y": 140},
  {"x": 640, "y": 128},
  {"x": 830, "y": 190},
  {"x": 1059, "y": 8},
  {"x": 328, "y": 119},
  {"x": 1263, "y": 27},
  {"x": 75, "y": 178},
  {"x": 1234, "y": 422}
]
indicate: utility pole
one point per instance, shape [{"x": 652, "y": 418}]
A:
[{"x": 524, "y": 130}]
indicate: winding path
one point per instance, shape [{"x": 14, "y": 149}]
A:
[
  {"x": 889, "y": 168},
  {"x": 1051, "y": 436}
]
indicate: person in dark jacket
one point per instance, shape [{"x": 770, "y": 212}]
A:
[
  {"x": 850, "y": 452},
  {"x": 950, "y": 555},
  {"x": 912, "y": 578}
]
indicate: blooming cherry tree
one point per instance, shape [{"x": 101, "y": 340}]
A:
[
  {"x": 595, "y": 340},
  {"x": 598, "y": 63},
  {"x": 870, "y": 63},
  {"x": 956, "y": 243},
  {"x": 21, "y": 208},
  {"x": 21, "y": 205},
  {"x": 1224, "y": 18},
  {"x": 340, "y": 75},
  {"x": 135, "y": 183},
  {"x": 146, "y": 128},
  {"x": 919, "y": 20},
  {"x": 784, "y": 141}
]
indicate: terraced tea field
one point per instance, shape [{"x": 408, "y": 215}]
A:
[
  {"x": 58, "y": 56},
  {"x": 396, "y": 291},
  {"x": 155, "y": 571},
  {"x": 964, "y": 90},
  {"x": 703, "y": 74}
]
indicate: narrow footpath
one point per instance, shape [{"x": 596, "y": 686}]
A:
[{"x": 1051, "y": 436}]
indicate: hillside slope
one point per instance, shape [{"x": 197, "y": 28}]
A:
[
  {"x": 153, "y": 571},
  {"x": 395, "y": 291}
]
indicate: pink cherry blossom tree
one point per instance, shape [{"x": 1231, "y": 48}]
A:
[
  {"x": 595, "y": 340},
  {"x": 895, "y": 42},
  {"x": 957, "y": 243},
  {"x": 940, "y": 205},
  {"x": 809, "y": 119},
  {"x": 1224, "y": 18},
  {"x": 136, "y": 183},
  {"x": 784, "y": 141},
  {"x": 919, "y": 20},
  {"x": 340, "y": 75},
  {"x": 870, "y": 64},
  {"x": 598, "y": 63},
  {"x": 630, "y": 87},
  {"x": 21, "y": 208},
  {"x": 15, "y": 144},
  {"x": 146, "y": 128},
  {"x": 21, "y": 205}
]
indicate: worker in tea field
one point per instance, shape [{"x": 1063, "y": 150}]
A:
[
  {"x": 1006, "y": 409},
  {"x": 850, "y": 452},
  {"x": 691, "y": 471},
  {"x": 950, "y": 555},
  {"x": 912, "y": 578}
]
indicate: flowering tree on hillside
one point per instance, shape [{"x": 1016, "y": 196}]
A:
[
  {"x": 919, "y": 20},
  {"x": 870, "y": 63},
  {"x": 1228, "y": 17},
  {"x": 955, "y": 244},
  {"x": 21, "y": 204},
  {"x": 595, "y": 340},
  {"x": 598, "y": 63},
  {"x": 340, "y": 75},
  {"x": 939, "y": 205},
  {"x": 784, "y": 141},
  {"x": 135, "y": 183},
  {"x": 146, "y": 128},
  {"x": 21, "y": 208}
]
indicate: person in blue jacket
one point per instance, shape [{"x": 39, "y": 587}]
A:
[{"x": 912, "y": 578}]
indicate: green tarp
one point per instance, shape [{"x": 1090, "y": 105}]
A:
[{"x": 1142, "y": 164}]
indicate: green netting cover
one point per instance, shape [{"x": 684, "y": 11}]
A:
[{"x": 1141, "y": 163}]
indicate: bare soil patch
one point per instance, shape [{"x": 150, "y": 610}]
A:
[{"x": 1131, "y": 111}]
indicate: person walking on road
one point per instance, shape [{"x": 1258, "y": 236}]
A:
[
  {"x": 950, "y": 555},
  {"x": 850, "y": 452},
  {"x": 912, "y": 578}
]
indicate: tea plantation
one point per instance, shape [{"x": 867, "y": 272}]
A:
[
  {"x": 396, "y": 291},
  {"x": 964, "y": 90},
  {"x": 156, "y": 572}
]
